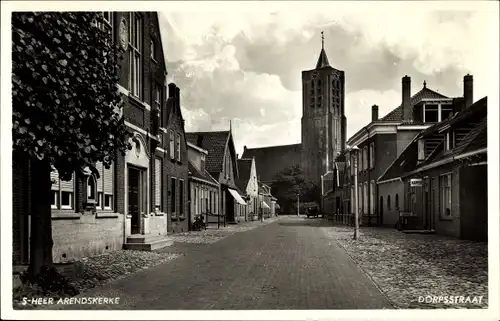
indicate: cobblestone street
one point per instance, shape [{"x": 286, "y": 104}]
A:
[
  {"x": 406, "y": 266},
  {"x": 286, "y": 264}
]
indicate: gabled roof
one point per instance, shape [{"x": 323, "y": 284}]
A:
[
  {"x": 215, "y": 144},
  {"x": 244, "y": 169},
  {"x": 198, "y": 174},
  {"x": 475, "y": 139},
  {"x": 426, "y": 93},
  {"x": 322, "y": 60}
]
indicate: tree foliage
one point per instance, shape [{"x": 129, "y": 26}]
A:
[
  {"x": 290, "y": 182},
  {"x": 66, "y": 109},
  {"x": 65, "y": 100}
]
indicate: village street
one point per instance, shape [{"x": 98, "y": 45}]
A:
[{"x": 287, "y": 264}]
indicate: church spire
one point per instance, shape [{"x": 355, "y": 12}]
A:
[{"x": 323, "y": 59}]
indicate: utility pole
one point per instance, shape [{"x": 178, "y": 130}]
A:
[
  {"x": 356, "y": 214},
  {"x": 298, "y": 205}
]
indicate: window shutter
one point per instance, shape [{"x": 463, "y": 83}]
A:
[
  {"x": 108, "y": 180},
  {"x": 100, "y": 184},
  {"x": 68, "y": 186},
  {"x": 158, "y": 182},
  {"x": 54, "y": 176}
]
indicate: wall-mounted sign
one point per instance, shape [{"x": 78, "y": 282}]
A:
[{"x": 416, "y": 182}]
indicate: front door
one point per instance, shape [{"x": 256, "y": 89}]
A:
[{"x": 134, "y": 199}]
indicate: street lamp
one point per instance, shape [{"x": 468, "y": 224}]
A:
[
  {"x": 354, "y": 150},
  {"x": 298, "y": 205}
]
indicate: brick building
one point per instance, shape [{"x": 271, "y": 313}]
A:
[
  {"x": 135, "y": 201},
  {"x": 204, "y": 190},
  {"x": 323, "y": 127},
  {"x": 222, "y": 165},
  {"x": 444, "y": 175},
  {"x": 382, "y": 141}
]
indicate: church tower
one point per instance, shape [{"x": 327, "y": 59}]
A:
[{"x": 323, "y": 117}]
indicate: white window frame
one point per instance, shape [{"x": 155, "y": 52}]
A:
[
  {"x": 102, "y": 195},
  {"x": 172, "y": 144},
  {"x": 55, "y": 200},
  {"x": 372, "y": 155},
  {"x": 91, "y": 178},
  {"x": 58, "y": 198},
  {"x": 135, "y": 49},
  {"x": 106, "y": 207},
  {"x": 449, "y": 140},
  {"x": 448, "y": 191},
  {"x": 158, "y": 185},
  {"x": 178, "y": 146}
]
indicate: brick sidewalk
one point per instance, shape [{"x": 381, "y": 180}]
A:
[{"x": 406, "y": 266}]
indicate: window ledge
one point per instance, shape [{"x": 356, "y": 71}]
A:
[
  {"x": 65, "y": 215},
  {"x": 106, "y": 215},
  {"x": 129, "y": 216},
  {"x": 159, "y": 214},
  {"x": 136, "y": 100}
]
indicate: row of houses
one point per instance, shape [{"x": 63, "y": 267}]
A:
[
  {"x": 422, "y": 167},
  {"x": 160, "y": 186}
]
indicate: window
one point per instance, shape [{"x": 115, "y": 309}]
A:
[
  {"x": 172, "y": 145},
  {"x": 360, "y": 162},
  {"x": 360, "y": 198},
  {"x": 389, "y": 202},
  {"x": 135, "y": 78},
  {"x": 158, "y": 102},
  {"x": 91, "y": 189},
  {"x": 365, "y": 197},
  {"x": 372, "y": 197},
  {"x": 178, "y": 144},
  {"x": 62, "y": 192},
  {"x": 446, "y": 111},
  {"x": 104, "y": 187},
  {"x": 449, "y": 140},
  {"x": 365, "y": 157},
  {"x": 181, "y": 197},
  {"x": 396, "y": 202},
  {"x": 172, "y": 196},
  {"x": 372, "y": 155},
  {"x": 445, "y": 199},
  {"x": 153, "y": 50},
  {"x": 431, "y": 113},
  {"x": 107, "y": 24},
  {"x": 158, "y": 184}
]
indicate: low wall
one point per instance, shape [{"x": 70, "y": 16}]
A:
[{"x": 78, "y": 235}]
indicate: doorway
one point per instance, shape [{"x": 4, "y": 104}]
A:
[{"x": 134, "y": 199}]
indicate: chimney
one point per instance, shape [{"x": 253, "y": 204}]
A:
[
  {"x": 171, "y": 90},
  {"x": 244, "y": 148},
  {"x": 178, "y": 97},
  {"x": 374, "y": 112},
  {"x": 468, "y": 90},
  {"x": 407, "y": 110}
]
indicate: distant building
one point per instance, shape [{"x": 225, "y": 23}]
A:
[
  {"x": 444, "y": 176},
  {"x": 323, "y": 127},
  {"x": 204, "y": 190},
  {"x": 248, "y": 184},
  {"x": 221, "y": 164}
]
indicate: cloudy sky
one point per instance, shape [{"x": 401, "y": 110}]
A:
[{"x": 243, "y": 61}]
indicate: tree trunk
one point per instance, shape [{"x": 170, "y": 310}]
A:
[{"x": 41, "y": 219}]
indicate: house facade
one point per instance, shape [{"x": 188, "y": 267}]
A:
[
  {"x": 128, "y": 205},
  {"x": 204, "y": 190},
  {"x": 222, "y": 165},
  {"x": 444, "y": 176},
  {"x": 381, "y": 142},
  {"x": 247, "y": 182}
]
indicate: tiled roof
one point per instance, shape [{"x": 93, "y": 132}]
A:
[
  {"x": 271, "y": 160},
  {"x": 397, "y": 113},
  {"x": 475, "y": 139},
  {"x": 215, "y": 144},
  {"x": 244, "y": 168},
  {"x": 198, "y": 174}
]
